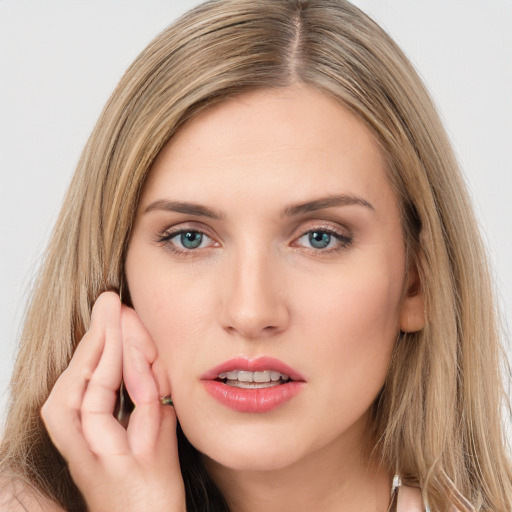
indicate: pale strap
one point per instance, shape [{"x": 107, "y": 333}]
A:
[{"x": 405, "y": 499}]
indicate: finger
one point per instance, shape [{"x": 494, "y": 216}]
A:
[
  {"x": 61, "y": 417},
  {"x": 138, "y": 354},
  {"x": 167, "y": 453},
  {"x": 72, "y": 383},
  {"x": 61, "y": 411},
  {"x": 139, "y": 351},
  {"x": 103, "y": 433},
  {"x": 134, "y": 331},
  {"x": 142, "y": 432},
  {"x": 107, "y": 317}
]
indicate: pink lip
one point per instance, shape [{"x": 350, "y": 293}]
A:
[
  {"x": 252, "y": 365},
  {"x": 252, "y": 400}
]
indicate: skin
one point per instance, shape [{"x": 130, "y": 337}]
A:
[{"x": 255, "y": 286}]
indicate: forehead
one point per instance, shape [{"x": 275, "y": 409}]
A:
[{"x": 294, "y": 141}]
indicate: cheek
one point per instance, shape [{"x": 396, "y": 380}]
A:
[
  {"x": 172, "y": 304},
  {"x": 351, "y": 323},
  {"x": 363, "y": 298}
]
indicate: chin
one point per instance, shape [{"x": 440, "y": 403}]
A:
[
  {"x": 251, "y": 451},
  {"x": 253, "y": 461}
]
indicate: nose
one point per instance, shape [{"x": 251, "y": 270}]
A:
[{"x": 254, "y": 297}]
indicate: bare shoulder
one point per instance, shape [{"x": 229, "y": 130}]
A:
[
  {"x": 409, "y": 500},
  {"x": 17, "y": 497}
]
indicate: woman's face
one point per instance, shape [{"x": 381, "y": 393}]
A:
[{"x": 267, "y": 245}]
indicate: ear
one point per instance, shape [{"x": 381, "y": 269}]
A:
[{"x": 412, "y": 313}]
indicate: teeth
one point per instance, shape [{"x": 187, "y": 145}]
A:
[
  {"x": 251, "y": 385},
  {"x": 245, "y": 376},
  {"x": 257, "y": 377},
  {"x": 262, "y": 376}
]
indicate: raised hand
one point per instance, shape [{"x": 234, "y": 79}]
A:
[{"x": 116, "y": 469}]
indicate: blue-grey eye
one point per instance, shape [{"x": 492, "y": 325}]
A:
[
  {"x": 324, "y": 240},
  {"x": 319, "y": 239},
  {"x": 191, "y": 239}
]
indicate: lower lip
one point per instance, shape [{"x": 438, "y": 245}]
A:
[{"x": 252, "y": 400}]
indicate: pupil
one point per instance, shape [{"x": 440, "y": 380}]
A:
[
  {"x": 191, "y": 239},
  {"x": 319, "y": 239}
]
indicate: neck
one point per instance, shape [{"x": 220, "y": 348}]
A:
[{"x": 337, "y": 477}]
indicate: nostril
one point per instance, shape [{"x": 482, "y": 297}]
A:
[{"x": 252, "y": 305}]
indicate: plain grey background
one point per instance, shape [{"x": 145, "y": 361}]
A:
[{"x": 60, "y": 60}]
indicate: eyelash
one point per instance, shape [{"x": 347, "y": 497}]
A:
[
  {"x": 344, "y": 241},
  {"x": 166, "y": 237}
]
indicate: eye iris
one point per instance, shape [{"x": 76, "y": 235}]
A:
[
  {"x": 191, "y": 239},
  {"x": 319, "y": 239}
]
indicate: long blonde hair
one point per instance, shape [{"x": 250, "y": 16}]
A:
[{"x": 437, "y": 419}]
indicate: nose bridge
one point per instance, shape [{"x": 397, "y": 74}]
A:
[{"x": 253, "y": 303}]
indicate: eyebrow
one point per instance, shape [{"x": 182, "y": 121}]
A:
[
  {"x": 289, "y": 211},
  {"x": 325, "y": 202},
  {"x": 182, "y": 207}
]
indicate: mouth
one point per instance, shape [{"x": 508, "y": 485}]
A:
[
  {"x": 256, "y": 386},
  {"x": 253, "y": 380}
]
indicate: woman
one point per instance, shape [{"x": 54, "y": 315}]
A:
[{"x": 272, "y": 196}]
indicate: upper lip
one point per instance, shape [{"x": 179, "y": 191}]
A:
[{"x": 252, "y": 365}]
